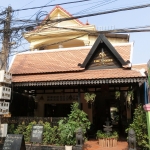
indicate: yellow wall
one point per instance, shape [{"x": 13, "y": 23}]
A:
[{"x": 39, "y": 112}]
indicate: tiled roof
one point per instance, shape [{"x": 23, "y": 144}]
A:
[
  {"x": 82, "y": 75},
  {"x": 50, "y": 61},
  {"x": 139, "y": 66},
  {"x": 124, "y": 50}
]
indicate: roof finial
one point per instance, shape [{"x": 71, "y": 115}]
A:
[{"x": 87, "y": 23}]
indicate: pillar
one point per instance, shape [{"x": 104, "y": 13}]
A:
[{"x": 147, "y": 109}]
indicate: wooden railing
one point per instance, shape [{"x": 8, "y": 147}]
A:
[{"x": 27, "y": 120}]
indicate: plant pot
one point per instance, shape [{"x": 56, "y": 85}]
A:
[
  {"x": 68, "y": 147},
  {"x": 108, "y": 142}
]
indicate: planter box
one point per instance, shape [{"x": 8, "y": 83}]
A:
[{"x": 108, "y": 142}]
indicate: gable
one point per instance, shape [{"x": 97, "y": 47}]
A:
[
  {"x": 58, "y": 12},
  {"x": 103, "y": 59},
  {"x": 103, "y": 55}
]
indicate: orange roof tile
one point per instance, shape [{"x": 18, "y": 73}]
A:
[
  {"x": 140, "y": 66},
  {"x": 82, "y": 75},
  {"x": 124, "y": 50},
  {"x": 60, "y": 60}
]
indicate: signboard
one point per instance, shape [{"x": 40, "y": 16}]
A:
[
  {"x": 4, "y": 107},
  {"x": 14, "y": 142},
  {"x": 3, "y": 130},
  {"x": 36, "y": 134},
  {"x": 5, "y": 77},
  {"x": 5, "y": 93}
]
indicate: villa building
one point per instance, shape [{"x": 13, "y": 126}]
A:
[{"x": 67, "y": 60}]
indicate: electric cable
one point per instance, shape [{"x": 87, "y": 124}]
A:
[{"x": 52, "y": 5}]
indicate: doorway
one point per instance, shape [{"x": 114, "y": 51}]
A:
[{"x": 57, "y": 110}]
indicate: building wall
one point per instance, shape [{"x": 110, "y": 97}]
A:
[{"x": 43, "y": 99}]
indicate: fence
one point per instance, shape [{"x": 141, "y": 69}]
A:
[{"x": 27, "y": 120}]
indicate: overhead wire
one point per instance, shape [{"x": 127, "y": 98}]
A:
[
  {"x": 100, "y": 13},
  {"x": 79, "y": 1},
  {"x": 99, "y": 4}
]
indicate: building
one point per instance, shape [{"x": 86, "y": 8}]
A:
[{"x": 64, "y": 64}]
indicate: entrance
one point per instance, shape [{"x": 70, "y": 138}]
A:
[
  {"x": 57, "y": 110},
  {"x": 111, "y": 108}
]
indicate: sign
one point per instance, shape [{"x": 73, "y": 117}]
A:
[
  {"x": 5, "y": 77},
  {"x": 36, "y": 135},
  {"x": 4, "y": 108},
  {"x": 103, "y": 59},
  {"x": 3, "y": 130},
  {"x": 5, "y": 92},
  {"x": 14, "y": 142}
]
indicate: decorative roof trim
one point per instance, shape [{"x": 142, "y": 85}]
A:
[
  {"x": 131, "y": 53},
  {"x": 65, "y": 11},
  {"x": 102, "y": 38},
  {"x": 81, "y": 82}
]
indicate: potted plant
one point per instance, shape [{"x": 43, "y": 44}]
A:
[
  {"x": 107, "y": 140},
  {"x": 114, "y": 138},
  {"x": 90, "y": 98},
  {"x": 100, "y": 136},
  {"x": 66, "y": 133}
]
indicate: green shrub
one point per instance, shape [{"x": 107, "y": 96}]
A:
[
  {"x": 67, "y": 127},
  {"x": 21, "y": 128},
  {"x": 139, "y": 125},
  {"x": 11, "y": 128},
  {"x": 62, "y": 134},
  {"x": 49, "y": 134},
  {"x": 27, "y": 133},
  {"x": 100, "y": 134}
]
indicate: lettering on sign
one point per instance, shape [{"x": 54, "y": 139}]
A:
[
  {"x": 36, "y": 134},
  {"x": 102, "y": 59},
  {"x": 14, "y": 142}
]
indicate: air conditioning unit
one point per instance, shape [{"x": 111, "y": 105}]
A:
[
  {"x": 3, "y": 130},
  {"x": 4, "y": 107},
  {"x": 5, "y": 93},
  {"x": 5, "y": 77}
]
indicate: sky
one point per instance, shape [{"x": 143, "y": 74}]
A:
[{"x": 126, "y": 19}]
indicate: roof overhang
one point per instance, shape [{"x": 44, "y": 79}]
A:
[{"x": 81, "y": 82}]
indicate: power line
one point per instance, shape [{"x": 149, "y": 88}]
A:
[
  {"x": 102, "y": 13},
  {"x": 52, "y": 5},
  {"x": 99, "y": 13}
]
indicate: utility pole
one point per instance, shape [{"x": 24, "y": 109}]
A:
[{"x": 6, "y": 39}]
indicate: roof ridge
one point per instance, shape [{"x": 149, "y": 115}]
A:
[
  {"x": 122, "y": 44},
  {"x": 139, "y": 64},
  {"x": 58, "y": 6},
  {"x": 56, "y": 50}
]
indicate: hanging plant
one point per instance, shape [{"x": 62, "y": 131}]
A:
[
  {"x": 117, "y": 94},
  {"x": 130, "y": 94},
  {"x": 89, "y": 97},
  {"x": 129, "y": 98}
]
